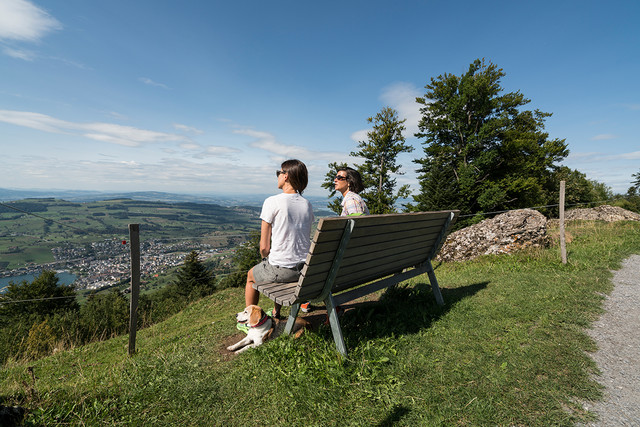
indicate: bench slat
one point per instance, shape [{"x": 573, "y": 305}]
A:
[
  {"x": 373, "y": 244},
  {"x": 320, "y": 258},
  {"x": 373, "y": 238},
  {"x": 337, "y": 223},
  {"x": 361, "y": 230},
  {"x": 358, "y": 274},
  {"x": 371, "y": 253},
  {"x": 282, "y": 293}
]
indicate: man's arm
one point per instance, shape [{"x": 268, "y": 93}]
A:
[{"x": 265, "y": 239}]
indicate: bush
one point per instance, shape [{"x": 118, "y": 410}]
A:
[{"x": 41, "y": 340}]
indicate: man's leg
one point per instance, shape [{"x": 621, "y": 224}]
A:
[{"x": 251, "y": 296}]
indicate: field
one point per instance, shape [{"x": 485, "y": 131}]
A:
[
  {"x": 27, "y": 239},
  {"x": 509, "y": 348}
]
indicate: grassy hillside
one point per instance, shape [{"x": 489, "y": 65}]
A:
[{"x": 508, "y": 348}]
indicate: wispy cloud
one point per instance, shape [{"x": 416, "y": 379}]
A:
[
  {"x": 360, "y": 135},
  {"x": 600, "y": 157},
  {"x": 21, "y": 20},
  {"x": 104, "y": 132},
  {"x": 23, "y": 54},
  {"x": 217, "y": 151},
  {"x": 604, "y": 137},
  {"x": 402, "y": 96},
  {"x": 150, "y": 82},
  {"x": 266, "y": 141},
  {"x": 187, "y": 129},
  {"x": 169, "y": 174}
]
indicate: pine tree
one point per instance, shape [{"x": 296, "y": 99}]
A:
[
  {"x": 380, "y": 152},
  {"x": 194, "y": 279}
]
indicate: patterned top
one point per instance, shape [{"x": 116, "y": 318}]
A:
[{"x": 352, "y": 204}]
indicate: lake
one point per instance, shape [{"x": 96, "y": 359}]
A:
[{"x": 64, "y": 278}]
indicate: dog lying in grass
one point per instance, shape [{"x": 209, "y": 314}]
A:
[
  {"x": 259, "y": 325},
  {"x": 262, "y": 328}
]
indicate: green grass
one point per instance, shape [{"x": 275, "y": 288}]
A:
[{"x": 508, "y": 348}]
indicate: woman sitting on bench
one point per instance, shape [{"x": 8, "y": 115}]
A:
[{"x": 349, "y": 183}]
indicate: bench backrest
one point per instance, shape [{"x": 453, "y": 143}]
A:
[{"x": 379, "y": 245}]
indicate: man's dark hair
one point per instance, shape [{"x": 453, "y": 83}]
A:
[
  {"x": 353, "y": 179},
  {"x": 296, "y": 174}
]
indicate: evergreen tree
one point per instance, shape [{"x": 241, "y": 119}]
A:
[
  {"x": 481, "y": 152},
  {"x": 380, "y": 152},
  {"x": 40, "y": 298},
  {"x": 635, "y": 184},
  {"x": 194, "y": 279}
]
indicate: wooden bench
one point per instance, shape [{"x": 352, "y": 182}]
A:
[{"x": 347, "y": 252}]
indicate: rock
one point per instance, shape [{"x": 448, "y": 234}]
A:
[
  {"x": 505, "y": 233},
  {"x": 602, "y": 213}
]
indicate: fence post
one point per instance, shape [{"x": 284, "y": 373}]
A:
[
  {"x": 563, "y": 245},
  {"x": 134, "y": 240}
]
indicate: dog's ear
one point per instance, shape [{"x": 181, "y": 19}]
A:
[{"x": 255, "y": 315}]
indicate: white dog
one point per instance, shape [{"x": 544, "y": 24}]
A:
[{"x": 259, "y": 325}]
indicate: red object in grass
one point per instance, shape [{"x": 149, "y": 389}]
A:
[{"x": 124, "y": 242}]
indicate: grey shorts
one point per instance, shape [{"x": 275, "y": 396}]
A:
[{"x": 265, "y": 272}]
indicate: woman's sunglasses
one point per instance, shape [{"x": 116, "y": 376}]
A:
[
  {"x": 278, "y": 173},
  {"x": 340, "y": 177}
]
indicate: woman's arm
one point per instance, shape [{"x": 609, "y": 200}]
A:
[{"x": 265, "y": 239}]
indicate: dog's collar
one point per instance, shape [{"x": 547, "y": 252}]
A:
[{"x": 262, "y": 321}]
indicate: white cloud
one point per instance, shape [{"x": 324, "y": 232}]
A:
[
  {"x": 188, "y": 146},
  {"x": 170, "y": 175},
  {"x": 602, "y": 157},
  {"x": 402, "y": 96},
  {"x": 105, "y": 132},
  {"x": 187, "y": 129},
  {"x": 268, "y": 142},
  {"x": 215, "y": 150},
  {"x": 21, "y": 20},
  {"x": 603, "y": 137},
  {"x": 360, "y": 135},
  {"x": 634, "y": 155},
  {"x": 150, "y": 82},
  {"x": 23, "y": 54}
]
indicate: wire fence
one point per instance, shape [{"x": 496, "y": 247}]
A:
[{"x": 119, "y": 237}]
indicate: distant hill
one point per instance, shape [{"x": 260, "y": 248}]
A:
[{"x": 319, "y": 203}]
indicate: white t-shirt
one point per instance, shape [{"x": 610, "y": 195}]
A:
[{"x": 290, "y": 216}]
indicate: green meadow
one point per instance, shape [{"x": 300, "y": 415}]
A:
[{"x": 509, "y": 348}]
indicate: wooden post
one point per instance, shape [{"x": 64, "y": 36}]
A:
[
  {"x": 134, "y": 241},
  {"x": 563, "y": 245}
]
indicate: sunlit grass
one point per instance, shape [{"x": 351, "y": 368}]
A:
[{"x": 508, "y": 348}]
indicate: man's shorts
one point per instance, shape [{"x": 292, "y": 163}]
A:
[{"x": 265, "y": 272}]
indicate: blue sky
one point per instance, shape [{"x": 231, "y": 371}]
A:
[{"x": 208, "y": 97}]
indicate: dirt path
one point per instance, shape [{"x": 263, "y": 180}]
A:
[{"x": 617, "y": 334}]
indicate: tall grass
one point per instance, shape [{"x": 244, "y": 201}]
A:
[{"x": 508, "y": 348}]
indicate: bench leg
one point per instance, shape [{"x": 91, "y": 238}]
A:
[
  {"x": 335, "y": 325},
  {"x": 293, "y": 313},
  {"x": 434, "y": 284}
]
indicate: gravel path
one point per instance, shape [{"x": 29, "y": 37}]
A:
[{"x": 617, "y": 334}]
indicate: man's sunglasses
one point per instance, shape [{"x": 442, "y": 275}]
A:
[{"x": 340, "y": 177}]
